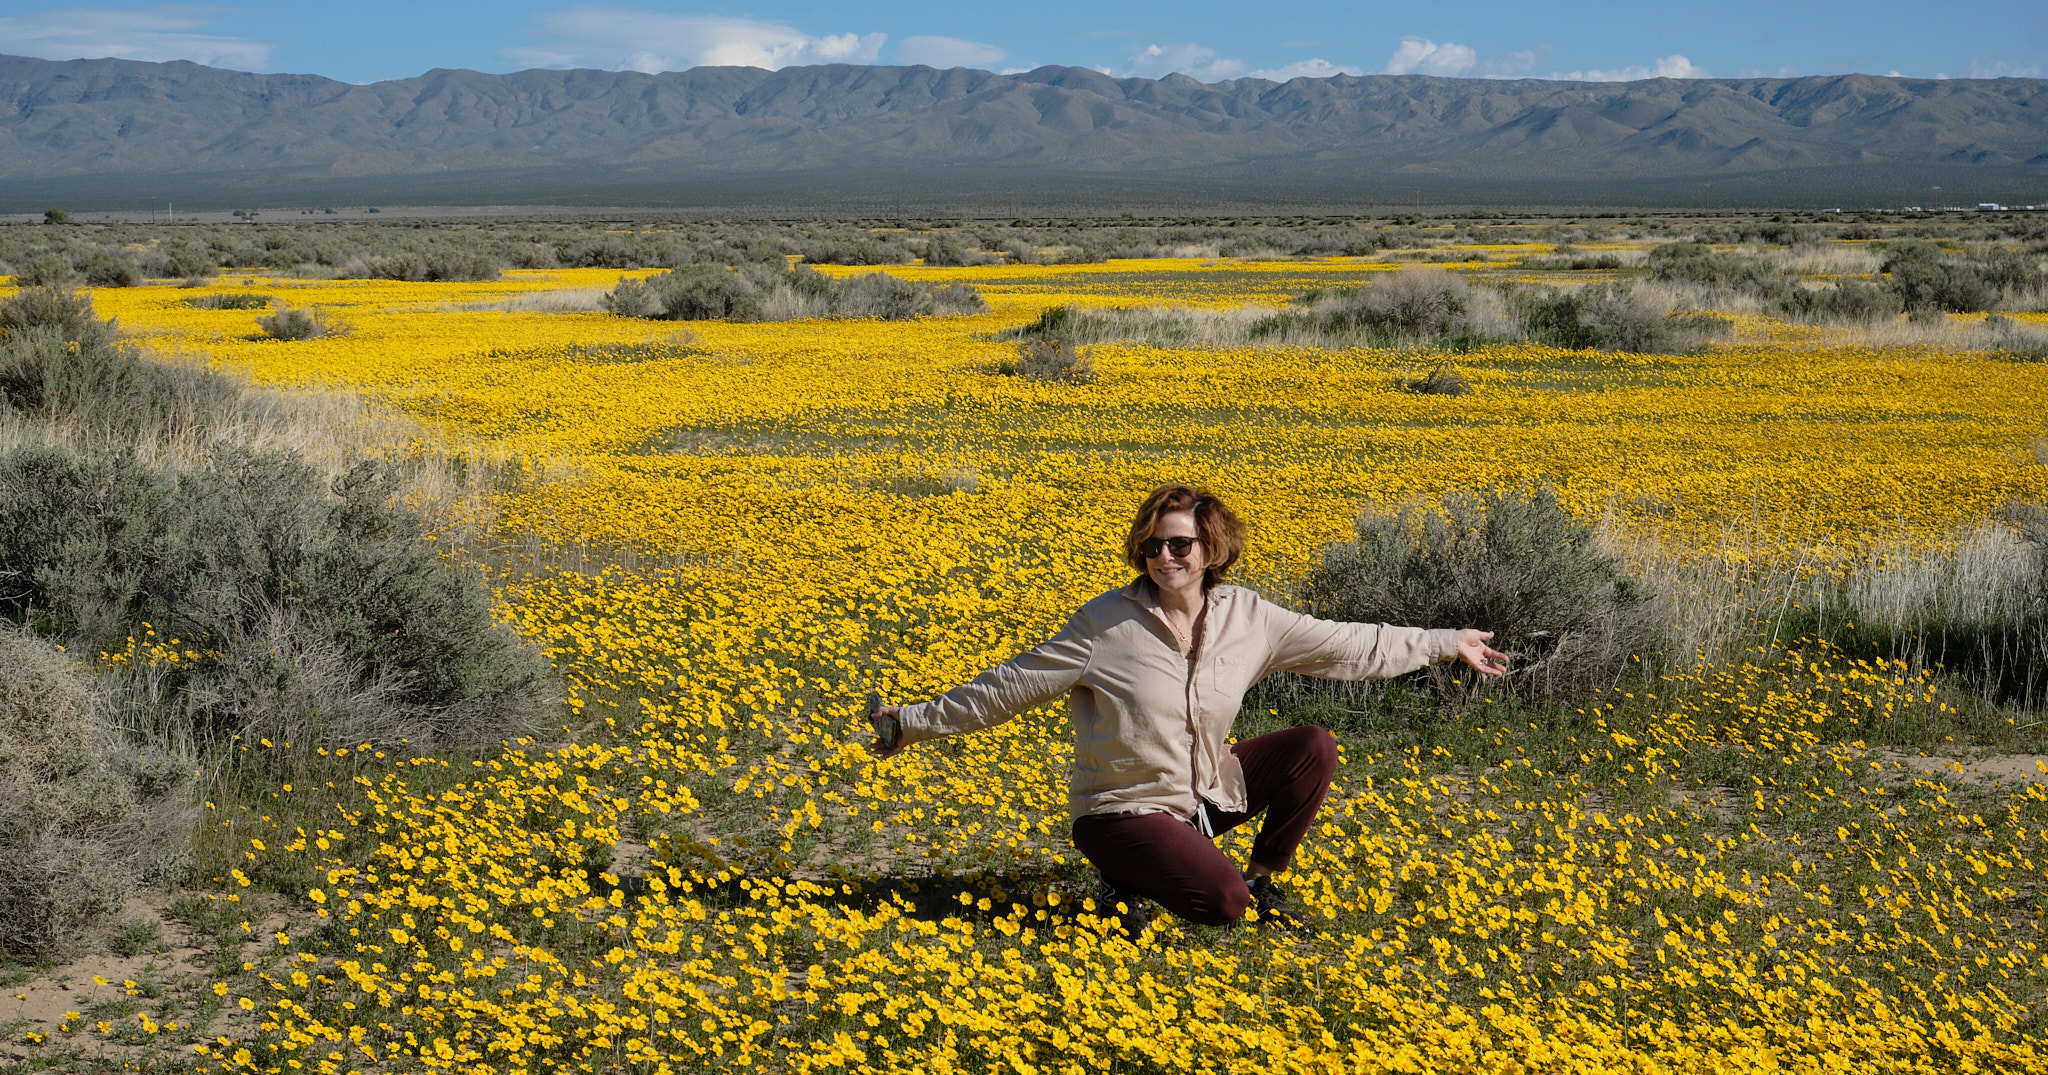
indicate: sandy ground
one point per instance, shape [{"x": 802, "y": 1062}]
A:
[
  {"x": 1992, "y": 769},
  {"x": 63, "y": 995}
]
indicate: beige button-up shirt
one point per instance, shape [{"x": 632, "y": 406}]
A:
[{"x": 1151, "y": 726}]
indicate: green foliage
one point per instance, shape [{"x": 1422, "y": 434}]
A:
[
  {"x": 1929, "y": 278},
  {"x": 1511, "y": 562},
  {"x": 82, "y": 815},
  {"x": 187, "y": 260},
  {"x": 439, "y": 264},
  {"x": 230, "y": 301},
  {"x": 56, "y": 313},
  {"x": 756, "y": 293},
  {"x": 320, "y": 612},
  {"x": 1700, "y": 264},
  {"x": 49, "y": 269},
  {"x": 104, "y": 268},
  {"x": 56, "y": 216},
  {"x": 1411, "y": 307},
  {"x": 1614, "y": 317},
  {"x": 1845, "y": 300}
]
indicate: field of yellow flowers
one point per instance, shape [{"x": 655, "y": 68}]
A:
[{"x": 1718, "y": 872}]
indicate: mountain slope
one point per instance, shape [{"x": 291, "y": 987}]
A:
[{"x": 103, "y": 121}]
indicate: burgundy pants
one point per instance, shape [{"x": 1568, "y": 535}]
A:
[{"x": 1163, "y": 858}]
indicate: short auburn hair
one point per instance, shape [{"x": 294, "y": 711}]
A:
[{"x": 1221, "y": 531}]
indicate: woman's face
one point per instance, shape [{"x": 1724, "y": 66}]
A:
[{"x": 1172, "y": 572}]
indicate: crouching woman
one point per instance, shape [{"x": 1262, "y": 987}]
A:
[{"x": 1154, "y": 673}]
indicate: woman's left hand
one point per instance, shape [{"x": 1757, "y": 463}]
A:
[{"x": 1484, "y": 659}]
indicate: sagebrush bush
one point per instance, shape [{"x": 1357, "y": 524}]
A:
[
  {"x": 756, "y": 293},
  {"x": 104, "y": 268},
  {"x": 1845, "y": 300},
  {"x": 232, "y": 301},
  {"x": 1513, "y": 562},
  {"x": 1927, "y": 279},
  {"x": 1614, "y": 317},
  {"x": 56, "y": 312},
  {"x": 50, "y": 269},
  {"x": 292, "y": 324},
  {"x": 1699, "y": 264},
  {"x": 83, "y": 815},
  {"x": 1413, "y": 306},
  {"x": 323, "y": 614},
  {"x": 1441, "y": 381},
  {"x": 1052, "y": 358}
]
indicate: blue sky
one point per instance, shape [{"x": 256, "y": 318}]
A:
[{"x": 372, "y": 40}]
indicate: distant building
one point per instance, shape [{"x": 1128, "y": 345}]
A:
[{"x": 1989, "y": 207}]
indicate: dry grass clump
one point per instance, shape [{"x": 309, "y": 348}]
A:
[
  {"x": 291, "y": 323},
  {"x": 1052, "y": 358},
  {"x": 82, "y": 815}
]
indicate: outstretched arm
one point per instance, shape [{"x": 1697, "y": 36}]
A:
[
  {"x": 1335, "y": 649},
  {"x": 1032, "y": 678}
]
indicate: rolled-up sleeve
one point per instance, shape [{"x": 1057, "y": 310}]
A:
[
  {"x": 1335, "y": 650},
  {"x": 1032, "y": 678}
]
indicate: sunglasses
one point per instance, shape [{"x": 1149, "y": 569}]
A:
[{"x": 1150, "y": 547}]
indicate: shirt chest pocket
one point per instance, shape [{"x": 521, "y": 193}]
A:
[{"x": 1229, "y": 676}]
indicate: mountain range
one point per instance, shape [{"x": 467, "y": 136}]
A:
[{"x": 96, "y": 133}]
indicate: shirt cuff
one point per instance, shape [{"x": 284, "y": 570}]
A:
[
  {"x": 1443, "y": 643},
  {"x": 911, "y": 719}
]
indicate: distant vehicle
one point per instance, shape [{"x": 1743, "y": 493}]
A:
[{"x": 1989, "y": 207}]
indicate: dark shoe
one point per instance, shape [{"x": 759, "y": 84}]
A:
[
  {"x": 1131, "y": 910},
  {"x": 1271, "y": 904}
]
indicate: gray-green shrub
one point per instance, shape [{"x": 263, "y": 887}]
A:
[
  {"x": 1845, "y": 300},
  {"x": 291, "y": 324},
  {"x": 1513, "y": 562},
  {"x": 83, "y": 814},
  {"x": 325, "y": 614},
  {"x": 1413, "y": 306},
  {"x": 1051, "y": 358},
  {"x": 1613, "y": 317},
  {"x": 757, "y": 293}
]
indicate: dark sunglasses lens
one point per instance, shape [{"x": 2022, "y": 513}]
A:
[{"x": 1181, "y": 546}]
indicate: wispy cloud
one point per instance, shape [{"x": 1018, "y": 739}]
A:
[
  {"x": 1198, "y": 62},
  {"x": 1988, "y": 67},
  {"x": 1202, "y": 64},
  {"x": 947, "y": 52},
  {"x": 1313, "y": 67},
  {"x": 157, "y": 34},
  {"x": 1421, "y": 56},
  {"x": 1672, "y": 66},
  {"x": 618, "y": 38}
]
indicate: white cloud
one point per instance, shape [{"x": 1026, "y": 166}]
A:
[
  {"x": 1195, "y": 61},
  {"x": 617, "y": 38},
  {"x": 947, "y": 52},
  {"x": 1758, "y": 72},
  {"x": 1316, "y": 67},
  {"x": 1986, "y": 67},
  {"x": 1672, "y": 66},
  {"x": 1421, "y": 56},
  {"x": 156, "y": 34}
]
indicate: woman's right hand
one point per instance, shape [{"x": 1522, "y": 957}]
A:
[{"x": 889, "y": 743}]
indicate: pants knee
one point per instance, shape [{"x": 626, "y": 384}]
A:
[
  {"x": 1321, "y": 748},
  {"x": 1220, "y": 905}
]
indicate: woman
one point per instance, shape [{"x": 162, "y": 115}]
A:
[{"x": 1154, "y": 672}]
